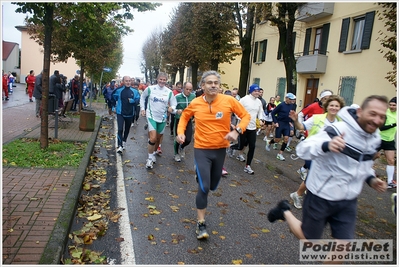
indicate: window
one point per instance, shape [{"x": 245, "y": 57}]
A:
[
  {"x": 320, "y": 40},
  {"x": 260, "y": 51},
  {"x": 281, "y": 84},
  {"x": 317, "y": 40},
  {"x": 361, "y": 32},
  {"x": 357, "y": 33},
  {"x": 346, "y": 89},
  {"x": 257, "y": 81}
]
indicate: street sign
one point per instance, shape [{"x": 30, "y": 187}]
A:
[
  {"x": 78, "y": 72},
  {"x": 106, "y": 69}
]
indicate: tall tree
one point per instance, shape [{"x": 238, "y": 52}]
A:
[
  {"x": 389, "y": 16},
  {"x": 282, "y": 15},
  {"x": 84, "y": 18},
  {"x": 244, "y": 16}
]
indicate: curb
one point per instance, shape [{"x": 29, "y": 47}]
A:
[{"x": 56, "y": 245}]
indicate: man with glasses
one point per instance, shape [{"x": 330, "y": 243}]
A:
[
  {"x": 183, "y": 99},
  {"x": 212, "y": 112}
]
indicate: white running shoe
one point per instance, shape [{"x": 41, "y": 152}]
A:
[
  {"x": 303, "y": 174},
  {"x": 297, "y": 200},
  {"x": 149, "y": 164},
  {"x": 280, "y": 157},
  {"x": 265, "y": 138},
  {"x": 123, "y": 145},
  {"x": 119, "y": 150},
  {"x": 267, "y": 147},
  {"x": 248, "y": 170},
  {"x": 240, "y": 158},
  {"x": 177, "y": 158}
]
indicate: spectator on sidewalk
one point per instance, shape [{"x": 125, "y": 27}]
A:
[
  {"x": 30, "y": 80},
  {"x": 85, "y": 93},
  {"x": 75, "y": 91},
  {"x": 11, "y": 81},
  {"x": 107, "y": 93},
  {"x": 332, "y": 184},
  {"x": 126, "y": 98},
  {"x": 37, "y": 94},
  {"x": 212, "y": 113},
  {"x": 5, "y": 87}
]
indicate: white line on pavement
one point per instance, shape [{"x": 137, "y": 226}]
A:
[{"x": 127, "y": 250}]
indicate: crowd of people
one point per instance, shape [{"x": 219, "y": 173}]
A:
[
  {"x": 223, "y": 124},
  {"x": 339, "y": 143}
]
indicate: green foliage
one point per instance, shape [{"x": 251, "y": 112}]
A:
[
  {"x": 389, "y": 16},
  {"x": 25, "y": 153}
]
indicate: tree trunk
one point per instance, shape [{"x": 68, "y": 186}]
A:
[
  {"x": 214, "y": 64},
  {"x": 48, "y": 30},
  {"x": 194, "y": 74},
  {"x": 181, "y": 73},
  {"x": 245, "y": 43}
]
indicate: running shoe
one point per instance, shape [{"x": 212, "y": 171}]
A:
[
  {"x": 201, "y": 230},
  {"x": 159, "y": 151},
  {"x": 303, "y": 174},
  {"x": 258, "y": 132},
  {"x": 240, "y": 157},
  {"x": 265, "y": 138},
  {"x": 280, "y": 157},
  {"x": 123, "y": 145},
  {"x": 267, "y": 147},
  {"x": 154, "y": 159},
  {"x": 288, "y": 149},
  {"x": 182, "y": 152},
  {"x": 391, "y": 185},
  {"x": 277, "y": 213},
  {"x": 119, "y": 150},
  {"x": 248, "y": 170},
  {"x": 146, "y": 126},
  {"x": 224, "y": 171},
  {"x": 297, "y": 200},
  {"x": 177, "y": 158},
  {"x": 230, "y": 152},
  {"x": 275, "y": 146},
  {"x": 149, "y": 164}
]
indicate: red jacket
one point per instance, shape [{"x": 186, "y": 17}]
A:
[
  {"x": 30, "y": 80},
  {"x": 5, "y": 83}
]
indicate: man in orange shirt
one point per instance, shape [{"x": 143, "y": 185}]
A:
[{"x": 212, "y": 112}]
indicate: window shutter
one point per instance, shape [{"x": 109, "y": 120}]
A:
[
  {"x": 307, "y": 41},
  {"x": 324, "y": 39},
  {"x": 344, "y": 35},
  {"x": 368, "y": 28},
  {"x": 264, "y": 50},
  {"x": 255, "y": 59}
]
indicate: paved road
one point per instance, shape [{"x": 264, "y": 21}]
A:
[{"x": 236, "y": 215}]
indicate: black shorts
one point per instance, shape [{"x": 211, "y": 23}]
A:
[
  {"x": 268, "y": 122},
  {"x": 317, "y": 212},
  {"x": 387, "y": 145}
]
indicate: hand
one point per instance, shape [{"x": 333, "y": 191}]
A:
[
  {"x": 143, "y": 113},
  {"x": 170, "y": 110},
  {"x": 232, "y": 136},
  {"x": 378, "y": 184},
  {"x": 337, "y": 144},
  {"x": 293, "y": 115},
  {"x": 180, "y": 138},
  {"x": 275, "y": 125}
]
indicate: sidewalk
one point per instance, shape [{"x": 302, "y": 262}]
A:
[{"x": 35, "y": 225}]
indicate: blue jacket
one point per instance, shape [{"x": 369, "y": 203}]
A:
[{"x": 126, "y": 99}]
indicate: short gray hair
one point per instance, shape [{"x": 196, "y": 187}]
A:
[{"x": 209, "y": 73}]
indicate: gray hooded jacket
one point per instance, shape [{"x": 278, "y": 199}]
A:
[{"x": 340, "y": 176}]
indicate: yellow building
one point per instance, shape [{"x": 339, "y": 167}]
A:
[
  {"x": 336, "y": 46},
  {"x": 32, "y": 58}
]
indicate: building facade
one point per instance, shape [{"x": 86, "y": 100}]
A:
[
  {"x": 336, "y": 47},
  {"x": 10, "y": 61},
  {"x": 32, "y": 58}
]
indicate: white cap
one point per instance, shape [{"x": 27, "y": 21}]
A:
[{"x": 325, "y": 93}]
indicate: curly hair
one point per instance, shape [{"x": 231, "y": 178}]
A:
[{"x": 337, "y": 98}]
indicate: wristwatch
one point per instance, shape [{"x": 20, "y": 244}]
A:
[{"x": 239, "y": 130}]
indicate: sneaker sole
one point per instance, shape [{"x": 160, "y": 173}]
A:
[
  {"x": 249, "y": 172},
  {"x": 204, "y": 236}
]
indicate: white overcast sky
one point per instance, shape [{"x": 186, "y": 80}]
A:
[{"x": 144, "y": 24}]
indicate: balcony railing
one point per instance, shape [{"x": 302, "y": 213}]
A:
[{"x": 315, "y": 63}]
